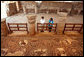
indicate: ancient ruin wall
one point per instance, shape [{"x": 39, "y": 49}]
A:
[
  {"x": 52, "y": 6},
  {"x": 12, "y": 9}
]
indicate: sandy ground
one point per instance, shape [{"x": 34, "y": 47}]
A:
[{"x": 43, "y": 44}]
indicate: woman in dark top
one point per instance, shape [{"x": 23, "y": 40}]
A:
[{"x": 50, "y": 24}]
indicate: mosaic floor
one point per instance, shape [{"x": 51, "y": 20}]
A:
[{"x": 43, "y": 44}]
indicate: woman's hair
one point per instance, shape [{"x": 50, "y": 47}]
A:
[
  {"x": 42, "y": 17},
  {"x": 51, "y": 19}
]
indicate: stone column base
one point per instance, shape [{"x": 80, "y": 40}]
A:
[
  {"x": 60, "y": 28},
  {"x": 32, "y": 29}
]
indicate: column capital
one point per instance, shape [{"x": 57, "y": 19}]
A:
[{"x": 31, "y": 18}]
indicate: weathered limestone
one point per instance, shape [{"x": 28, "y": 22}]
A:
[
  {"x": 4, "y": 29},
  {"x": 31, "y": 21},
  {"x": 24, "y": 9},
  {"x": 62, "y": 13},
  {"x": 19, "y": 6},
  {"x": 51, "y": 5},
  {"x": 36, "y": 9},
  {"x": 60, "y": 28},
  {"x": 12, "y": 8},
  {"x": 60, "y": 25}
]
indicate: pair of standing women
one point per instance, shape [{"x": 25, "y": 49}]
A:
[{"x": 42, "y": 21}]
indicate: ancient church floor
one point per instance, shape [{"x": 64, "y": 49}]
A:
[{"x": 43, "y": 44}]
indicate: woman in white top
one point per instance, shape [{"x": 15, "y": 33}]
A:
[{"x": 42, "y": 21}]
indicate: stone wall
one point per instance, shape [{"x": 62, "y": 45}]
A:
[
  {"x": 29, "y": 6},
  {"x": 20, "y": 6},
  {"x": 53, "y": 7},
  {"x": 12, "y": 9},
  {"x": 61, "y": 5},
  {"x": 30, "y": 10}
]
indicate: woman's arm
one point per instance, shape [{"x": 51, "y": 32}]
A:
[{"x": 52, "y": 22}]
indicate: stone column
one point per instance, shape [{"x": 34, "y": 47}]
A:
[
  {"x": 69, "y": 11},
  {"x": 60, "y": 24},
  {"x": 58, "y": 11},
  {"x": 17, "y": 4},
  {"x": 31, "y": 24},
  {"x": 36, "y": 10},
  {"x": 4, "y": 29},
  {"x": 24, "y": 9}
]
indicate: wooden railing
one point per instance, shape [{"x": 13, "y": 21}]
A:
[
  {"x": 17, "y": 26},
  {"x": 73, "y": 27},
  {"x": 45, "y": 27}
]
